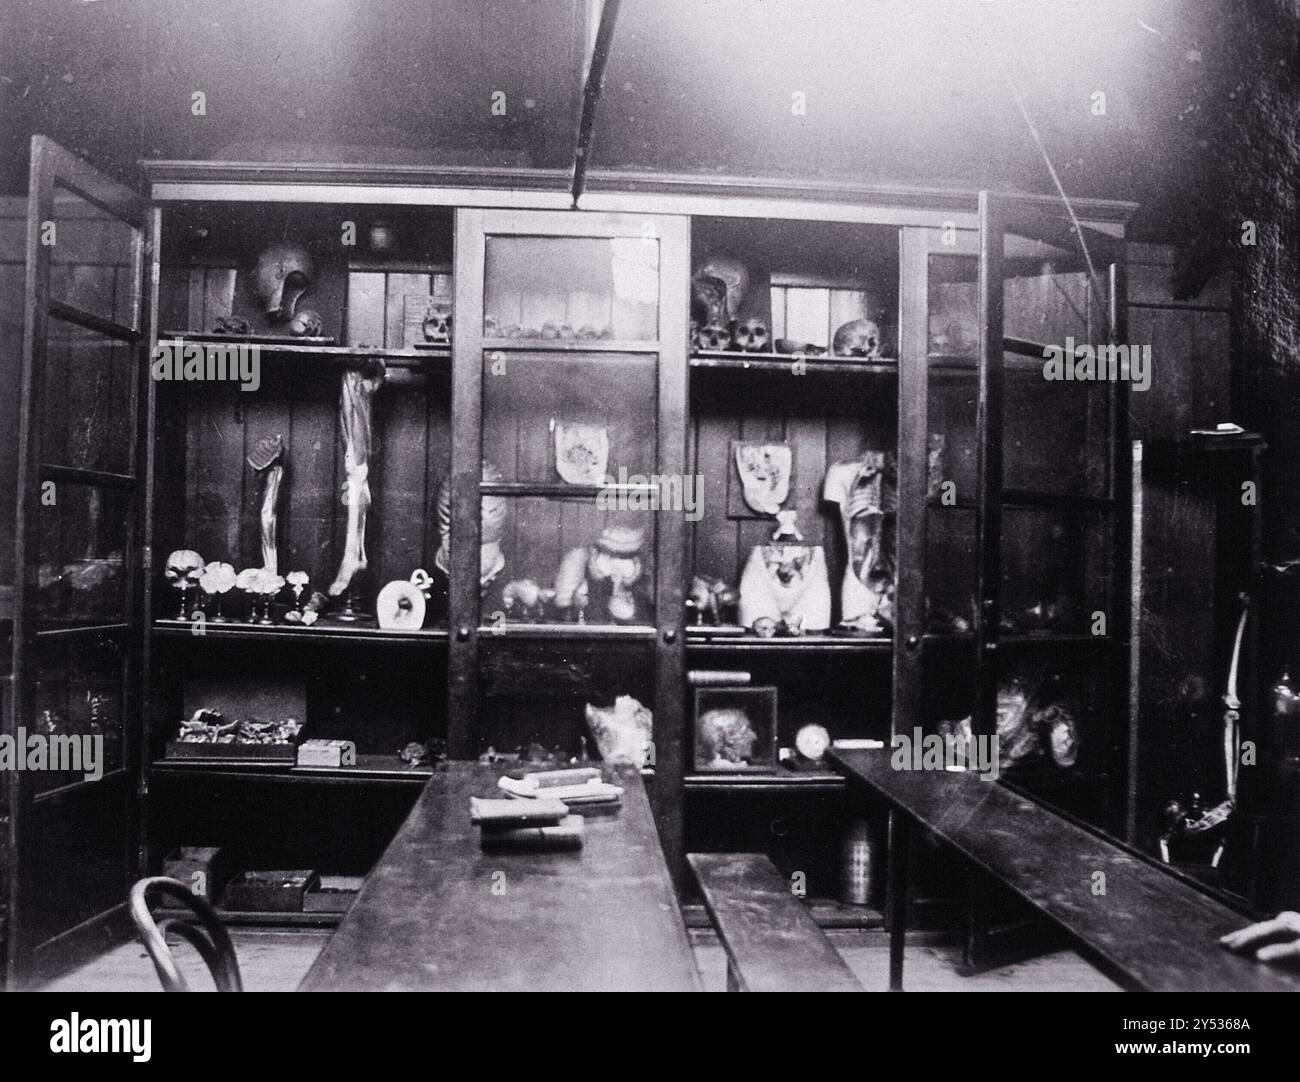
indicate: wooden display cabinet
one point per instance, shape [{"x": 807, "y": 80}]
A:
[{"x": 1003, "y": 496}]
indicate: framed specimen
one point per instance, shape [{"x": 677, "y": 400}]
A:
[
  {"x": 735, "y": 730},
  {"x": 760, "y": 478}
]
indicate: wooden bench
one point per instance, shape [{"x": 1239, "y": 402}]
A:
[
  {"x": 772, "y": 942},
  {"x": 1147, "y": 929}
]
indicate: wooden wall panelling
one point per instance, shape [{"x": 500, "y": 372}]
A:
[{"x": 399, "y": 527}]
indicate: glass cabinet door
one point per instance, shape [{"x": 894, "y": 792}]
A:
[
  {"x": 938, "y": 482},
  {"x": 77, "y": 626},
  {"x": 1055, "y": 373},
  {"x": 568, "y": 446}
]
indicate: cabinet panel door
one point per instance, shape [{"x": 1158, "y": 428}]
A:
[
  {"x": 1053, "y": 505},
  {"x": 568, "y": 455},
  {"x": 77, "y": 598},
  {"x": 938, "y": 483}
]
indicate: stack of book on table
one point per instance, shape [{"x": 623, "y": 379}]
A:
[{"x": 536, "y": 812}]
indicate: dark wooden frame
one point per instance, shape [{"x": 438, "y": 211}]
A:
[{"x": 114, "y": 794}]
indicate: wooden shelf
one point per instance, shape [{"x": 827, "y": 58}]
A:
[
  {"x": 562, "y": 632},
  {"x": 370, "y": 769},
  {"x": 700, "y": 639},
  {"x": 440, "y": 356},
  {"x": 1051, "y": 638},
  {"x": 560, "y": 491},
  {"x": 780, "y": 781},
  {"x": 319, "y": 632},
  {"x": 784, "y": 362},
  {"x": 572, "y": 345}
]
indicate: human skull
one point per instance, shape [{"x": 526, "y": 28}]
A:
[
  {"x": 437, "y": 323},
  {"x": 750, "y": 335},
  {"x": 712, "y": 336},
  {"x": 857, "y": 338},
  {"x": 306, "y": 324},
  {"x": 282, "y": 275}
]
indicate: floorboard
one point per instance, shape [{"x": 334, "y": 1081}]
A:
[{"x": 275, "y": 961}]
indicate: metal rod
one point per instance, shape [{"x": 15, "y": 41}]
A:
[{"x": 591, "y": 94}]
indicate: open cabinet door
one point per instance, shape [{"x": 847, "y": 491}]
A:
[
  {"x": 76, "y": 708},
  {"x": 1053, "y": 507}
]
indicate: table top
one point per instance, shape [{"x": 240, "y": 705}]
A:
[
  {"x": 1158, "y": 930},
  {"x": 438, "y": 913}
]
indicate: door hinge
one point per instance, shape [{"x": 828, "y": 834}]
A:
[
  {"x": 142, "y": 860},
  {"x": 146, "y": 557}
]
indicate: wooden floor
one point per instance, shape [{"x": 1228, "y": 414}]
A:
[{"x": 275, "y": 961}]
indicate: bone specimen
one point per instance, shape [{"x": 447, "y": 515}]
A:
[
  {"x": 306, "y": 324},
  {"x": 400, "y": 606},
  {"x": 184, "y": 566},
  {"x": 733, "y": 275},
  {"x": 437, "y": 324},
  {"x": 355, "y": 400},
  {"x": 787, "y": 585},
  {"x": 217, "y": 580},
  {"x": 786, "y": 527},
  {"x": 622, "y": 732},
  {"x": 750, "y": 336},
  {"x": 725, "y": 739},
  {"x": 857, "y": 338},
  {"x": 709, "y": 300},
  {"x": 232, "y": 325},
  {"x": 764, "y": 470},
  {"x": 712, "y": 336},
  {"x": 581, "y": 452},
  {"x": 283, "y": 273},
  {"x": 267, "y": 458}
]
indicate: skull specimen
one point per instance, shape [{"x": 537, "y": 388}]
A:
[
  {"x": 283, "y": 273},
  {"x": 857, "y": 338},
  {"x": 712, "y": 336},
  {"x": 437, "y": 323},
  {"x": 306, "y": 324},
  {"x": 750, "y": 335}
]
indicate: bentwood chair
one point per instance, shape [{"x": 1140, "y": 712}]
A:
[{"x": 211, "y": 940}]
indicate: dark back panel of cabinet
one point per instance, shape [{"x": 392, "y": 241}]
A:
[
  {"x": 825, "y": 422},
  {"x": 222, "y": 493}
]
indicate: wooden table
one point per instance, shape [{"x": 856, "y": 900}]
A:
[
  {"x": 1149, "y": 930},
  {"x": 438, "y": 913}
]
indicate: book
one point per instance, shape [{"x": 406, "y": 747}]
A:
[
  {"x": 504, "y": 814},
  {"x": 590, "y": 792},
  {"x": 547, "y": 779},
  {"x": 566, "y": 834}
]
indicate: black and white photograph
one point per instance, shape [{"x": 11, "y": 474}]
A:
[{"x": 651, "y": 495}]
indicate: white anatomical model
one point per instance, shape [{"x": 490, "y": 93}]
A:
[{"x": 866, "y": 498}]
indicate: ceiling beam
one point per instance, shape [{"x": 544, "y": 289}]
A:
[{"x": 591, "y": 95}]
